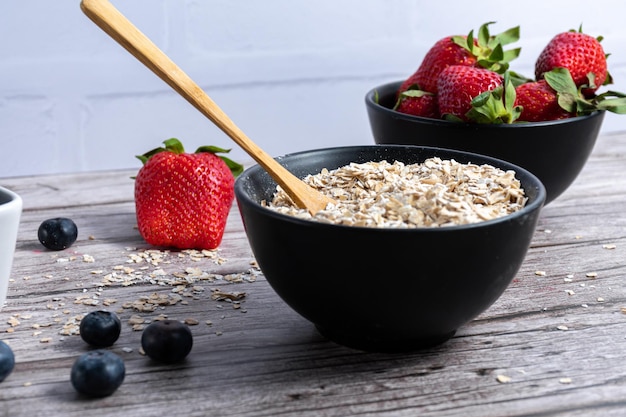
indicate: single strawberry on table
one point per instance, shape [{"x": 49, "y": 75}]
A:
[{"x": 182, "y": 200}]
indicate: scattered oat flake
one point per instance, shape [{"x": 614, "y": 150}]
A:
[
  {"x": 221, "y": 295},
  {"x": 561, "y": 327},
  {"x": 45, "y": 340},
  {"x": 28, "y": 384},
  {"x": 591, "y": 275},
  {"x": 191, "y": 321},
  {"x": 623, "y": 310},
  {"x": 600, "y": 299},
  {"x": 565, "y": 380},
  {"x": 570, "y": 292},
  {"x": 540, "y": 273},
  {"x": 503, "y": 379},
  {"x": 71, "y": 326},
  {"x": 136, "y": 319},
  {"x": 609, "y": 246}
]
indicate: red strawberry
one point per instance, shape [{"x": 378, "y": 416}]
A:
[
  {"x": 443, "y": 53},
  {"x": 558, "y": 97},
  {"x": 458, "y": 85},
  {"x": 182, "y": 200},
  {"x": 539, "y": 102},
  {"x": 581, "y": 54},
  {"x": 484, "y": 51},
  {"x": 418, "y": 103}
]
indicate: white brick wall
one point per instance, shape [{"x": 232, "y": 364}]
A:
[{"x": 291, "y": 73}]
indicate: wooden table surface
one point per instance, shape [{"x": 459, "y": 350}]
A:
[{"x": 554, "y": 344}]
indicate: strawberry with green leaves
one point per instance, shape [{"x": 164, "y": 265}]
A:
[
  {"x": 557, "y": 96},
  {"x": 554, "y": 97},
  {"x": 482, "y": 89},
  {"x": 182, "y": 200},
  {"x": 483, "y": 51},
  {"x": 417, "y": 103},
  {"x": 579, "y": 53},
  {"x": 539, "y": 102},
  {"x": 459, "y": 85},
  {"x": 443, "y": 53}
]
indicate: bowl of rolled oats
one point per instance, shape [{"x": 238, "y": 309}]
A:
[
  {"x": 555, "y": 151},
  {"x": 419, "y": 242}
]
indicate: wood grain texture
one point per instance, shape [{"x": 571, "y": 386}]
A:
[{"x": 557, "y": 334}]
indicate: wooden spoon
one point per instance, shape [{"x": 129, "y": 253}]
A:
[{"x": 109, "y": 19}]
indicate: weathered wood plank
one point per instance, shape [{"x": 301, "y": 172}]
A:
[{"x": 558, "y": 334}]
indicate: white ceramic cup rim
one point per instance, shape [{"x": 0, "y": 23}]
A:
[
  {"x": 10, "y": 213},
  {"x": 10, "y": 201}
]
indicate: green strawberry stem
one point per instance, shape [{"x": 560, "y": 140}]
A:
[
  {"x": 235, "y": 168},
  {"x": 572, "y": 100},
  {"x": 174, "y": 145},
  {"x": 615, "y": 105},
  {"x": 518, "y": 79},
  {"x": 497, "y": 105},
  {"x": 489, "y": 52}
]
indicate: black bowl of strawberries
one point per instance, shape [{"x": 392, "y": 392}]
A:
[{"x": 464, "y": 96}]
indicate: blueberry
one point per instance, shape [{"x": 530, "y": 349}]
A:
[
  {"x": 58, "y": 233},
  {"x": 98, "y": 373},
  {"x": 100, "y": 328},
  {"x": 167, "y": 340},
  {"x": 7, "y": 360}
]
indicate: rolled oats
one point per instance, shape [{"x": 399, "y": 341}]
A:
[{"x": 430, "y": 194}]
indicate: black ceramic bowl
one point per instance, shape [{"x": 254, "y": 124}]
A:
[
  {"x": 385, "y": 289},
  {"x": 554, "y": 151}
]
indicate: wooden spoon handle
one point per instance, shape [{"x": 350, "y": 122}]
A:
[{"x": 109, "y": 19}]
